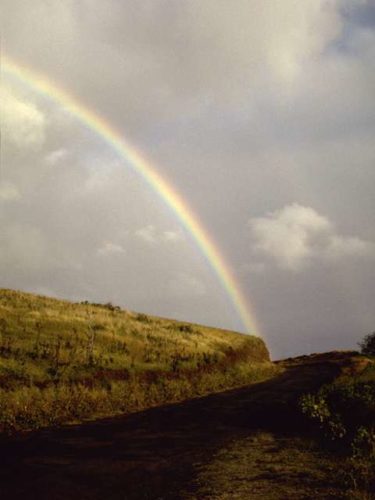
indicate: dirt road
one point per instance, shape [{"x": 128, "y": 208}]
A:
[{"x": 240, "y": 444}]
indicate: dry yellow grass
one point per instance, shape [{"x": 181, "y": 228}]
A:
[{"x": 61, "y": 361}]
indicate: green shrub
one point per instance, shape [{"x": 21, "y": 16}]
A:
[
  {"x": 342, "y": 409},
  {"x": 345, "y": 415}
]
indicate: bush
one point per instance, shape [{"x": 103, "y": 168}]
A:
[
  {"x": 345, "y": 416},
  {"x": 143, "y": 318},
  {"x": 342, "y": 411},
  {"x": 368, "y": 344}
]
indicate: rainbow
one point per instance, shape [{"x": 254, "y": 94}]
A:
[{"x": 143, "y": 167}]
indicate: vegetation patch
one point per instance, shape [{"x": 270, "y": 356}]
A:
[
  {"x": 343, "y": 415},
  {"x": 63, "y": 362}
]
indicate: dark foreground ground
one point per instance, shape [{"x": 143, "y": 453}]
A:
[{"x": 241, "y": 444}]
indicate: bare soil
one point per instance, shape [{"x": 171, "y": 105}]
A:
[{"x": 248, "y": 443}]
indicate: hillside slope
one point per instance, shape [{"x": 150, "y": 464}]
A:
[{"x": 61, "y": 361}]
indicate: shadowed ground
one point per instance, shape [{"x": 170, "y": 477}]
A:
[{"x": 237, "y": 444}]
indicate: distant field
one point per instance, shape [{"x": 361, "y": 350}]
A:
[{"x": 61, "y": 361}]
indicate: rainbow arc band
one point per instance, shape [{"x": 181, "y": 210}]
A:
[{"x": 133, "y": 158}]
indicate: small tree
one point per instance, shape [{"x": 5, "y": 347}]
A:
[{"x": 367, "y": 345}]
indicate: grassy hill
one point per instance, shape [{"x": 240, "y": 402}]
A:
[{"x": 61, "y": 361}]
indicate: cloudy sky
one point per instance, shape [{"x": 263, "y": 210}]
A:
[{"x": 261, "y": 113}]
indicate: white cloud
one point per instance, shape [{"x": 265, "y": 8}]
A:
[
  {"x": 186, "y": 285},
  {"x": 172, "y": 236},
  {"x": 23, "y": 124},
  {"x": 97, "y": 181},
  {"x": 346, "y": 246},
  {"x": 147, "y": 234},
  {"x": 109, "y": 249},
  {"x": 295, "y": 234},
  {"x": 9, "y": 192},
  {"x": 54, "y": 157},
  {"x": 151, "y": 235}
]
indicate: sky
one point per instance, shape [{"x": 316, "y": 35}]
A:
[{"x": 260, "y": 113}]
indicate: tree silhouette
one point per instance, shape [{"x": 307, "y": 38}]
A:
[{"x": 367, "y": 345}]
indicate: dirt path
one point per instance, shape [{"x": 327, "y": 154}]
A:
[
  {"x": 268, "y": 466},
  {"x": 238, "y": 444}
]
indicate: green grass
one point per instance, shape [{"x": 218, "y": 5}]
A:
[{"x": 63, "y": 362}]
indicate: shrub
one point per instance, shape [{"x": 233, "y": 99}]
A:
[
  {"x": 185, "y": 328},
  {"x": 367, "y": 345},
  {"x": 342, "y": 410},
  {"x": 143, "y": 318},
  {"x": 345, "y": 414}
]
